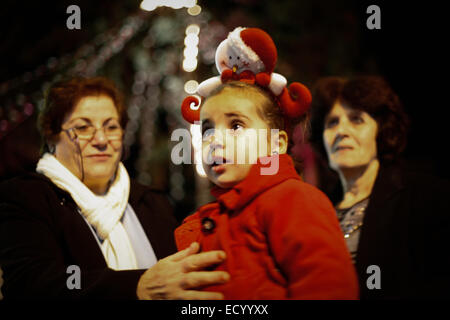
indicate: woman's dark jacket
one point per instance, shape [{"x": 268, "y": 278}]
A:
[
  {"x": 406, "y": 232},
  {"x": 42, "y": 234}
]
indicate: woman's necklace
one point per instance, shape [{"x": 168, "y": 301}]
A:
[{"x": 351, "y": 219}]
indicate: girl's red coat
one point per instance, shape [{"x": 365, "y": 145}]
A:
[{"x": 281, "y": 237}]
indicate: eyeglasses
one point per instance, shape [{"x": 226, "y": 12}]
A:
[{"x": 112, "y": 131}]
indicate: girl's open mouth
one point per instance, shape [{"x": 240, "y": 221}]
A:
[{"x": 218, "y": 164}]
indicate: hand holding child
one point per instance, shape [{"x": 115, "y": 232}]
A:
[{"x": 177, "y": 276}]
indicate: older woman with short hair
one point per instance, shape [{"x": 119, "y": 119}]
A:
[
  {"x": 81, "y": 209},
  {"x": 395, "y": 222}
]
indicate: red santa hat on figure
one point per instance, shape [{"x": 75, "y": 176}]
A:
[{"x": 250, "y": 55}]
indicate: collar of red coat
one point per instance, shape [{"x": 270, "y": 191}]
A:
[{"x": 254, "y": 184}]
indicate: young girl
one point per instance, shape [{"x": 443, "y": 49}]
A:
[{"x": 281, "y": 235}]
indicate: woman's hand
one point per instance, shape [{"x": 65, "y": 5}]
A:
[{"x": 174, "y": 276}]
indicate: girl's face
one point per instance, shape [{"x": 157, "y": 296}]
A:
[
  {"x": 234, "y": 136},
  {"x": 100, "y": 150},
  {"x": 349, "y": 137}
]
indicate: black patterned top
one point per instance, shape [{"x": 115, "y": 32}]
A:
[{"x": 351, "y": 220}]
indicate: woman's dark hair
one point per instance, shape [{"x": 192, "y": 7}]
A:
[
  {"x": 63, "y": 96},
  {"x": 270, "y": 112},
  {"x": 371, "y": 94}
]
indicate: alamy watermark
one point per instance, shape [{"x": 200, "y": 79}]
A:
[
  {"x": 374, "y": 20},
  {"x": 374, "y": 280},
  {"x": 74, "y": 20},
  {"x": 229, "y": 147},
  {"x": 74, "y": 280}
]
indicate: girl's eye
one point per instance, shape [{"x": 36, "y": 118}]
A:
[
  {"x": 207, "y": 132},
  {"x": 237, "y": 126}
]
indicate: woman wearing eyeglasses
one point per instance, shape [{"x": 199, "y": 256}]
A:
[{"x": 78, "y": 227}]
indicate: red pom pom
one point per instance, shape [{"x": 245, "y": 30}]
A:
[
  {"x": 226, "y": 75},
  {"x": 190, "y": 109},
  {"x": 263, "y": 79},
  {"x": 247, "y": 76},
  {"x": 296, "y": 101}
]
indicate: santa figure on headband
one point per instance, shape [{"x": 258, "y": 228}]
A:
[{"x": 250, "y": 55}]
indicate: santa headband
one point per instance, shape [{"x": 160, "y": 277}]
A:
[{"x": 250, "y": 55}]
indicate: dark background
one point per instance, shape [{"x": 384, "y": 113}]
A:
[{"x": 314, "y": 39}]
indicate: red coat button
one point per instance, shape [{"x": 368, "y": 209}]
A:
[{"x": 208, "y": 224}]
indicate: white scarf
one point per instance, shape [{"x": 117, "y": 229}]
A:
[{"x": 102, "y": 212}]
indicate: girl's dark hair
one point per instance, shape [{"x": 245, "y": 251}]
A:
[
  {"x": 371, "y": 94},
  {"x": 63, "y": 96},
  {"x": 270, "y": 112}
]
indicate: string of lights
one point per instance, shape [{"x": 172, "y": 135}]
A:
[
  {"x": 20, "y": 98},
  {"x": 165, "y": 64}
]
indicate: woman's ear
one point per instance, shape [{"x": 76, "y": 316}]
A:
[
  {"x": 51, "y": 147},
  {"x": 279, "y": 142},
  {"x": 51, "y": 144}
]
